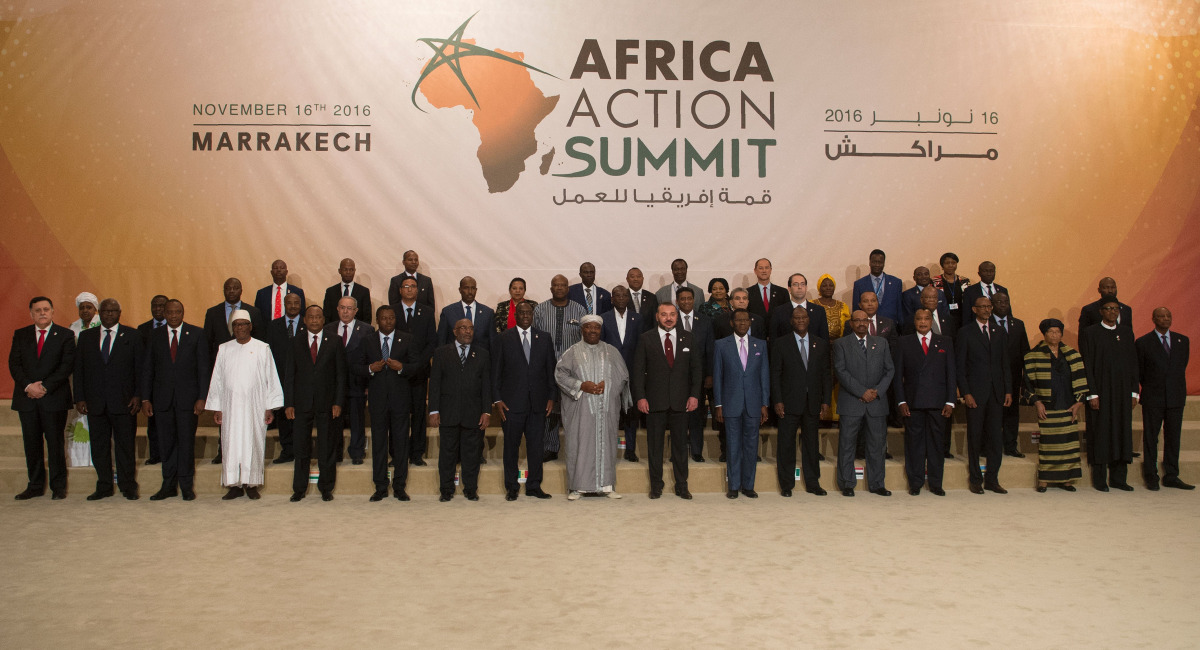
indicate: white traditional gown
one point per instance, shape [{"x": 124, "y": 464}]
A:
[{"x": 244, "y": 387}]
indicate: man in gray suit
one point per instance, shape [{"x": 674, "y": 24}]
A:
[
  {"x": 863, "y": 365},
  {"x": 679, "y": 269}
]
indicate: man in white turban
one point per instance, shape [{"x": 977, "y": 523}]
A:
[
  {"x": 244, "y": 392},
  {"x": 78, "y": 435},
  {"x": 595, "y": 387}
]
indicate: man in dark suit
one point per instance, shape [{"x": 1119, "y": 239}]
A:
[
  {"x": 175, "y": 376},
  {"x": 864, "y": 368},
  {"x": 933, "y": 300},
  {"x": 741, "y": 393},
  {"x": 801, "y": 390},
  {"x": 158, "y": 306},
  {"x": 280, "y": 333},
  {"x": 1162, "y": 372},
  {"x": 523, "y": 390},
  {"x": 910, "y": 299},
  {"x": 925, "y": 390},
  {"x": 887, "y": 288},
  {"x": 424, "y": 283},
  {"x": 740, "y": 299},
  {"x": 700, "y": 328},
  {"x": 388, "y": 360},
  {"x": 885, "y": 328},
  {"x": 679, "y": 270},
  {"x": 986, "y": 287},
  {"x": 666, "y": 382},
  {"x": 985, "y": 383},
  {"x": 621, "y": 329},
  {"x": 595, "y": 299},
  {"x": 1090, "y": 314},
  {"x": 351, "y": 332},
  {"x": 460, "y": 405},
  {"x": 314, "y": 391},
  {"x": 107, "y": 363},
  {"x": 781, "y": 318},
  {"x": 1018, "y": 346},
  {"x": 41, "y": 360},
  {"x": 347, "y": 287},
  {"x": 479, "y": 314},
  {"x": 269, "y": 299},
  {"x": 417, "y": 319},
  {"x": 766, "y": 296},
  {"x": 643, "y": 301}
]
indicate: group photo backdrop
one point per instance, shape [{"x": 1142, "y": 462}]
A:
[{"x": 153, "y": 148}]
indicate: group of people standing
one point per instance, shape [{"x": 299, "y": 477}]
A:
[{"x": 598, "y": 364}]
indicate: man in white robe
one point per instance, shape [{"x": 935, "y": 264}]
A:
[
  {"x": 595, "y": 387},
  {"x": 243, "y": 393}
]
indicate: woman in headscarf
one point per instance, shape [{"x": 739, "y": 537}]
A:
[
  {"x": 1056, "y": 384},
  {"x": 837, "y": 314},
  {"x": 506, "y": 312},
  {"x": 718, "y": 299},
  {"x": 79, "y": 446}
]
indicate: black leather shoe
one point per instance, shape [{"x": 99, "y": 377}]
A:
[
  {"x": 785, "y": 493},
  {"x": 995, "y": 487},
  {"x": 356, "y": 461},
  {"x": 655, "y": 494},
  {"x": 538, "y": 493},
  {"x": 1178, "y": 484},
  {"x": 1101, "y": 488},
  {"x": 1014, "y": 453},
  {"x": 938, "y": 491},
  {"x": 818, "y": 491},
  {"x": 722, "y": 459},
  {"x": 550, "y": 455},
  {"x": 283, "y": 459},
  {"x": 883, "y": 492},
  {"x": 97, "y": 495},
  {"x": 887, "y": 455},
  {"x": 402, "y": 495},
  {"x": 471, "y": 496},
  {"x": 633, "y": 458},
  {"x": 419, "y": 462},
  {"x": 216, "y": 460},
  {"x": 296, "y": 497},
  {"x": 820, "y": 457},
  {"x": 758, "y": 459},
  {"x": 1066, "y": 487},
  {"x": 697, "y": 458},
  {"x": 58, "y": 495},
  {"x": 379, "y": 495},
  {"x": 252, "y": 492},
  {"x": 162, "y": 494},
  {"x": 153, "y": 461},
  {"x": 482, "y": 460},
  {"x": 949, "y": 455},
  {"x": 750, "y": 494},
  {"x": 327, "y": 496},
  {"x": 233, "y": 493},
  {"x": 445, "y": 497},
  {"x": 510, "y": 495},
  {"x": 1152, "y": 486},
  {"x": 131, "y": 495},
  {"x": 1122, "y": 486},
  {"x": 189, "y": 495},
  {"x": 1040, "y": 488},
  {"x": 731, "y": 494},
  {"x": 684, "y": 494},
  {"x": 916, "y": 492},
  {"x": 976, "y": 488},
  {"x": 29, "y": 494}
]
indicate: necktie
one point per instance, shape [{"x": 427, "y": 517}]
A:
[
  {"x": 387, "y": 346},
  {"x": 157, "y": 324},
  {"x": 766, "y": 299},
  {"x": 1166, "y": 344},
  {"x": 525, "y": 344},
  {"x": 106, "y": 346},
  {"x": 346, "y": 290},
  {"x": 804, "y": 351},
  {"x": 174, "y": 344},
  {"x": 863, "y": 343},
  {"x": 468, "y": 312},
  {"x": 345, "y": 335},
  {"x": 313, "y": 347},
  {"x": 987, "y": 334},
  {"x": 462, "y": 354},
  {"x": 937, "y": 328},
  {"x": 687, "y": 322},
  {"x": 872, "y": 332},
  {"x": 291, "y": 327},
  {"x": 1004, "y": 322},
  {"x": 879, "y": 287},
  {"x": 742, "y": 352},
  {"x": 229, "y": 309},
  {"x": 670, "y": 351},
  {"x": 41, "y": 341},
  {"x": 409, "y": 318},
  {"x": 278, "y": 302},
  {"x": 637, "y": 301},
  {"x": 925, "y": 343},
  {"x": 987, "y": 290},
  {"x": 590, "y": 305}
]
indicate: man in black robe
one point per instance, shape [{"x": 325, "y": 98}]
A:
[{"x": 1110, "y": 360}]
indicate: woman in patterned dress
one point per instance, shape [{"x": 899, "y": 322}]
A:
[{"x": 1056, "y": 384}]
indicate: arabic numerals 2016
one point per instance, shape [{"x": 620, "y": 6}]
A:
[
  {"x": 990, "y": 118},
  {"x": 843, "y": 115},
  {"x": 346, "y": 110}
]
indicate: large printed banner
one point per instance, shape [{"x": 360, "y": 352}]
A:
[{"x": 152, "y": 147}]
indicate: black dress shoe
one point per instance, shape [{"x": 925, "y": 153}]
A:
[
  {"x": 887, "y": 455},
  {"x": 356, "y": 461},
  {"x": 883, "y": 492},
  {"x": 233, "y": 493},
  {"x": 482, "y": 460},
  {"x": 818, "y": 491},
  {"x": 29, "y": 494},
  {"x": 550, "y": 455},
  {"x": 758, "y": 459},
  {"x": 97, "y": 495},
  {"x": 379, "y": 495},
  {"x": 58, "y": 495},
  {"x": 327, "y": 496},
  {"x": 401, "y": 495},
  {"x": 283, "y": 459},
  {"x": 633, "y": 458},
  {"x": 1100, "y": 488},
  {"x": 297, "y": 496},
  {"x": 1178, "y": 484},
  {"x": 697, "y": 458},
  {"x": 655, "y": 494},
  {"x": 916, "y": 492},
  {"x": 976, "y": 488},
  {"x": 820, "y": 457},
  {"x": 938, "y": 491},
  {"x": 153, "y": 461},
  {"x": 445, "y": 497},
  {"x": 785, "y": 493},
  {"x": 216, "y": 460},
  {"x": 419, "y": 462},
  {"x": 1152, "y": 486},
  {"x": 949, "y": 455},
  {"x": 189, "y": 495},
  {"x": 1066, "y": 486},
  {"x": 1014, "y": 453},
  {"x": 471, "y": 496},
  {"x": 538, "y": 493},
  {"x": 731, "y": 494},
  {"x": 1122, "y": 486},
  {"x": 750, "y": 494},
  {"x": 847, "y": 492},
  {"x": 1040, "y": 488},
  {"x": 252, "y": 492},
  {"x": 995, "y": 487},
  {"x": 131, "y": 495},
  {"x": 510, "y": 495},
  {"x": 722, "y": 459},
  {"x": 162, "y": 494},
  {"x": 684, "y": 494}
]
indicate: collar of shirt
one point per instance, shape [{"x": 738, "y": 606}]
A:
[
  {"x": 983, "y": 327},
  {"x": 522, "y": 332},
  {"x": 383, "y": 337},
  {"x": 1107, "y": 327},
  {"x": 861, "y": 338},
  {"x": 158, "y": 323},
  {"x": 925, "y": 337},
  {"x": 620, "y": 315},
  {"x": 279, "y": 286},
  {"x": 407, "y": 305},
  {"x": 1160, "y": 335},
  {"x": 114, "y": 334},
  {"x": 802, "y": 303},
  {"x": 801, "y": 340},
  {"x": 663, "y": 334},
  {"x": 348, "y": 285},
  {"x": 314, "y": 336},
  {"x": 458, "y": 348},
  {"x": 472, "y": 306},
  {"x": 232, "y": 306},
  {"x": 738, "y": 339}
]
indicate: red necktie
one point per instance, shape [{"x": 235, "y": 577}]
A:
[
  {"x": 41, "y": 341},
  {"x": 670, "y": 351},
  {"x": 872, "y": 327},
  {"x": 766, "y": 299},
  {"x": 345, "y": 335},
  {"x": 313, "y": 348},
  {"x": 925, "y": 344},
  {"x": 174, "y": 344},
  {"x": 278, "y": 302}
]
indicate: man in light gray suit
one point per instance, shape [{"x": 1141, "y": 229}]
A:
[
  {"x": 679, "y": 269},
  {"x": 864, "y": 368}
]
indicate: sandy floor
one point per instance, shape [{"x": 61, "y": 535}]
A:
[{"x": 1038, "y": 570}]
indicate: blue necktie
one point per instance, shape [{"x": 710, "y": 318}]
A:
[
  {"x": 106, "y": 346},
  {"x": 387, "y": 348},
  {"x": 468, "y": 317},
  {"x": 863, "y": 343},
  {"x": 462, "y": 355}
]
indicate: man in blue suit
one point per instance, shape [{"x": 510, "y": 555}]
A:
[
  {"x": 741, "y": 392},
  {"x": 925, "y": 384},
  {"x": 523, "y": 389},
  {"x": 269, "y": 299},
  {"x": 593, "y": 298},
  {"x": 886, "y": 287},
  {"x": 620, "y": 329},
  {"x": 480, "y": 316},
  {"x": 910, "y": 300}
]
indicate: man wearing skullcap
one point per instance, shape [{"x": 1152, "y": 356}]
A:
[{"x": 1110, "y": 361}]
